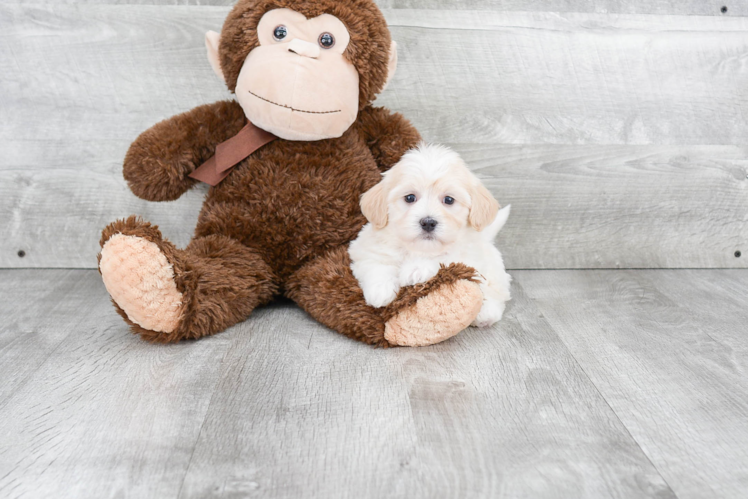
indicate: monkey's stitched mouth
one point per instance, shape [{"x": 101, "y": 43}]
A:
[{"x": 294, "y": 109}]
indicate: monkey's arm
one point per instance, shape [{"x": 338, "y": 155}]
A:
[
  {"x": 389, "y": 135},
  {"x": 158, "y": 162}
]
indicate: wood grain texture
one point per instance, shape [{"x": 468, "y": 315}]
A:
[
  {"x": 55, "y": 217},
  {"x": 618, "y": 206},
  {"x": 668, "y": 352},
  {"x": 508, "y": 77},
  {"x": 280, "y": 406},
  {"x": 516, "y": 77},
  {"x": 667, "y": 7},
  {"x": 502, "y": 412},
  {"x": 724, "y": 317},
  {"x": 81, "y": 81},
  {"x": 674, "y": 7},
  {"x": 572, "y": 207},
  {"x": 25, "y": 342},
  {"x": 103, "y": 414},
  {"x": 524, "y": 396}
]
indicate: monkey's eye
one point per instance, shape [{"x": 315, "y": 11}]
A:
[
  {"x": 411, "y": 198},
  {"x": 448, "y": 200},
  {"x": 326, "y": 40},
  {"x": 280, "y": 32}
]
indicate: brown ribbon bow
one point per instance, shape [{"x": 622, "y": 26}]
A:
[{"x": 230, "y": 152}]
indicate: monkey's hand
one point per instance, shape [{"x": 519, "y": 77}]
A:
[
  {"x": 158, "y": 163},
  {"x": 388, "y": 135}
]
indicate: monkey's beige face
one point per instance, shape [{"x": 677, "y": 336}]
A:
[{"x": 297, "y": 84}]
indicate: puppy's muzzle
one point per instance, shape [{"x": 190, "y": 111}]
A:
[{"x": 428, "y": 224}]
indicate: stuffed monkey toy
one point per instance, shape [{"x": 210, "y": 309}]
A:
[{"x": 288, "y": 160}]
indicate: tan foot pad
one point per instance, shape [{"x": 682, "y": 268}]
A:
[
  {"x": 141, "y": 281},
  {"x": 436, "y": 317}
]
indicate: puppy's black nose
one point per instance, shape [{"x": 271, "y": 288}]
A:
[{"x": 428, "y": 224}]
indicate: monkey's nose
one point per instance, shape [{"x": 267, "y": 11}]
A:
[
  {"x": 428, "y": 224},
  {"x": 303, "y": 48}
]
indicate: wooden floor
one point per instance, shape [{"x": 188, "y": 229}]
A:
[
  {"x": 616, "y": 129},
  {"x": 597, "y": 383}
]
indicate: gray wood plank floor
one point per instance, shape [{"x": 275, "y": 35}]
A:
[
  {"x": 596, "y": 383},
  {"x": 669, "y": 352}
]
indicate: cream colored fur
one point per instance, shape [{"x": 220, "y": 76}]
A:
[{"x": 394, "y": 250}]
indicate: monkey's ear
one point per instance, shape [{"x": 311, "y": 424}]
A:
[
  {"x": 391, "y": 64},
  {"x": 484, "y": 207},
  {"x": 374, "y": 204},
  {"x": 212, "y": 39}
]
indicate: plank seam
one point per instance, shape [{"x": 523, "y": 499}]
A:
[
  {"x": 26, "y": 379},
  {"x": 202, "y": 424},
  {"x": 597, "y": 390}
]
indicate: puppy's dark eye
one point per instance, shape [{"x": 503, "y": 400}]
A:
[
  {"x": 326, "y": 40},
  {"x": 411, "y": 198},
  {"x": 448, "y": 200},
  {"x": 280, "y": 32}
]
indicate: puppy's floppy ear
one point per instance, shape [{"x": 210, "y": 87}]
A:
[
  {"x": 374, "y": 204},
  {"x": 484, "y": 206}
]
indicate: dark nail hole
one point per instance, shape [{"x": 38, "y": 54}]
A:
[
  {"x": 21, "y": 253},
  {"x": 737, "y": 253},
  {"x": 723, "y": 9}
]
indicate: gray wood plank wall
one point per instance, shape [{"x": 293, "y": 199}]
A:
[
  {"x": 678, "y": 7},
  {"x": 616, "y": 129}
]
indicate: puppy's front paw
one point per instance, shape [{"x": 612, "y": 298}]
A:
[
  {"x": 490, "y": 313},
  {"x": 380, "y": 294},
  {"x": 420, "y": 271}
]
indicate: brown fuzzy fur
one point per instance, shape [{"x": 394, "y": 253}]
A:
[
  {"x": 327, "y": 289},
  {"x": 221, "y": 281},
  {"x": 158, "y": 162},
  {"x": 386, "y": 134},
  {"x": 280, "y": 223}
]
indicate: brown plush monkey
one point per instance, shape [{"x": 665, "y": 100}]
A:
[{"x": 281, "y": 221}]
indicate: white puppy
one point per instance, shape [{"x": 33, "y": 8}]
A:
[{"x": 429, "y": 209}]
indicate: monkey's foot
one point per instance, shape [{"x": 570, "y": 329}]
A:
[
  {"x": 436, "y": 310},
  {"x": 140, "y": 278}
]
